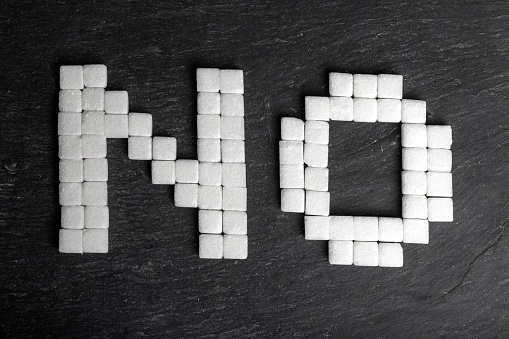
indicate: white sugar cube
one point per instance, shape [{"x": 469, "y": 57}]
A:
[
  {"x": 209, "y": 173},
  {"x": 70, "y": 193},
  {"x": 413, "y": 135},
  {"x": 69, "y": 147},
  {"x": 316, "y": 108},
  {"x": 70, "y": 241},
  {"x": 414, "y": 159},
  {"x": 95, "y": 169},
  {"x": 234, "y": 222},
  {"x": 97, "y": 216},
  {"x": 231, "y": 81},
  {"x": 413, "y": 182},
  {"x": 163, "y": 172},
  {"x": 235, "y": 246},
  {"x": 209, "y": 126},
  {"x": 414, "y": 207},
  {"x": 234, "y": 174},
  {"x": 69, "y": 123},
  {"x": 390, "y": 255},
  {"x": 93, "y": 146},
  {"x": 292, "y": 200},
  {"x": 415, "y": 231},
  {"x": 95, "y": 193},
  {"x": 232, "y": 105},
  {"x": 291, "y": 176},
  {"x": 233, "y": 151},
  {"x": 92, "y": 99},
  {"x": 186, "y": 195},
  {"x": 365, "y": 253},
  {"x": 70, "y": 170},
  {"x": 116, "y": 102},
  {"x": 439, "y": 136},
  {"x": 210, "y": 221},
  {"x": 341, "y": 228},
  {"x": 316, "y": 179},
  {"x": 292, "y": 129},
  {"x": 69, "y": 100},
  {"x": 116, "y": 126},
  {"x": 317, "y": 132},
  {"x": 210, "y": 197},
  {"x": 209, "y": 103},
  {"x": 291, "y": 152},
  {"x": 365, "y": 228},
  {"x": 340, "y": 84},
  {"x": 439, "y": 160},
  {"x": 164, "y": 148},
  {"x": 95, "y": 76},
  {"x": 186, "y": 171},
  {"x": 95, "y": 240},
  {"x": 413, "y": 111},
  {"x": 365, "y": 85},
  {"x": 72, "y": 217},
  {"x": 440, "y": 209},
  {"x": 317, "y": 203},
  {"x": 92, "y": 122},
  {"x": 364, "y": 110},
  {"x": 234, "y": 198},
  {"x": 316, "y": 155},
  {"x": 389, "y": 110},
  {"x": 140, "y": 124},
  {"x": 71, "y": 77},
  {"x": 340, "y": 252},
  {"x": 232, "y": 128},
  {"x": 316, "y": 227},
  {"x": 139, "y": 148},
  {"x": 209, "y": 150},
  {"x": 439, "y": 184},
  {"x": 210, "y": 246},
  {"x": 390, "y": 229},
  {"x": 341, "y": 108},
  {"x": 390, "y": 86},
  {"x": 207, "y": 79}
]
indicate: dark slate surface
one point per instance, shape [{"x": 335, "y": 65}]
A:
[{"x": 454, "y": 55}]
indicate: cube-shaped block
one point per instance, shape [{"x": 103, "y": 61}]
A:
[
  {"x": 341, "y": 108},
  {"x": 209, "y": 150},
  {"x": 69, "y": 100},
  {"x": 140, "y": 124},
  {"x": 69, "y": 123},
  {"x": 365, "y": 228},
  {"x": 390, "y": 86},
  {"x": 209, "y": 126},
  {"x": 70, "y": 193},
  {"x": 316, "y": 179},
  {"x": 440, "y": 209},
  {"x": 364, "y": 110},
  {"x": 291, "y": 176},
  {"x": 69, "y": 147},
  {"x": 231, "y": 81},
  {"x": 390, "y": 229},
  {"x": 439, "y": 136},
  {"x": 232, "y": 105},
  {"x": 316, "y": 227},
  {"x": 316, "y": 108},
  {"x": 209, "y": 103},
  {"x": 390, "y": 255},
  {"x": 93, "y": 146},
  {"x": 316, "y": 155},
  {"x": 414, "y": 207},
  {"x": 95, "y": 76},
  {"x": 116, "y": 126},
  {"x": 413, "y": 182},
  {"x": 292, "y": 129},
  {"x": 186, "y": 171},
  {"x": 414, "y": 159},
  {"x": 234, "y": 174},
  {"x": 92, "y": 99},
  {"x": 186, "y": 195},
  {"x": 439, "y": 184},
  {"x": 97, "y": 216},
  {"x": 235, "y": 246},
  {"x": 235, "y": 199},
  {"x": 291, "y": 152},
  {"x": 413, "y": 135},
  {"x": 139, "y": 148},
  {"x": 233, "y": 151},
  {"x": 365, "y": 85},
  {"x": 95, "y": 193},
  {"x": 95, "y": 240},
  {"x": 389, "y": 110},
  {"x": 209, "y": 173},
  {"x": 317, "y": 203},
  {"x": 116, "y": 102},
  {"x": 293, "y": 200},
  {"x": 340, "y": 84},
  {"x": 70, "y": 170},
  {"x": 317, "y": 132},
  {"x": 232, "y": 128},
  {"x": 340, "y": 252},
  {"x": 71, "y": 77},
  {"x": 341, "y": 228},
  {"x": 92, "y": 122},
  {"x": 70, "y": 241},
  {"x": 95, "y": 169},
  {"x": 234, "y": 222},
  {"x": 163, "y": 172},
  {"x": 210, "y": 246},
  {"x": 72, "y": 217},
  {"x": 365, "y": 253},
  {"x": 439, "y": 160},
  {"x": 210, "y": 221},
  {"x": 207, "y": 79},
  {"x": 164, "y": 148},
  {"x": 413, "y": 111},
  {"x": 415, "y": 231},
  {"x": 210, "y": 197}
]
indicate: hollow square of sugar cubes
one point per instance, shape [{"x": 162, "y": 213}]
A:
[
  {"x": 390, "y": 255},
  {"x": 316, "y": 227},
  {"x": 341, "y": 228},
  {"x": 95, "y": 193},
  {"x": 439, "y": 184},
  {"x": 97, "y": 216},
  {"x": 140, "y": 124},
  {"x": 340, "y": 84},
  {"x": 317, "y": 132},
  {"x": 210, "y": 221},
  {"x": 389, "y": 110},
  {"x": 139, "y": 148},
  {"x": 209, "y": 150},
  {"x": 233, "y": 151},
  {"x": 92, "y": 99},
  {"x": 186, "y": 171},
  {"x": 71, "y": 77},
  {"x": 234, "y": 174},
  {"x": 341, "y": 108},
  {"x": 439, "y": 160},
  {"x": 72, "y": 217},
  {"x": 116, "y": 102},
  {"x": 390, "y": 229},
  {"x": 390, "y": 86},
  {"x": 414, "y": 159},
  {"x": 164, "y": 148},
  {"x": 186, "y": 195},
  {"x": 316, "y": 108},
  {"x": 317, "y": 203},
  {"x": 316, "y": 155},
  {"x": 234, "y": 198},
  {"x": 234, "y": 222},
  {"x": 92, "y": 122},
  {"x": 95, "y": 240},
  {"x": 365, "y": 85},
  {"x": 231, "y": 81},
  {"x": 293, "y": 200},
  {"x": 207, "y": 79},
  {"x": 69, "y": 100},
  {"x": 70, "y": 193},
  {"x": 365, "y": 253},
  {"x": 209, "y": 103},
  {"x": 415, "y": 231},
  {"x": 316, "y": 179},
  {"x": 413, "y": 182},
  {"x": 70, "y": 241},
  {"x": 210, "y": 246},
  {"x": 116, "y": 126},
  {"x": 414, "y": 207},
  {"x": 364, "y": 110},
  {"x": 69, "y": 123},
  {"x": 235, "y": 246},
  {"x": 340, "y": 252},
  {"x": 291, "y": 176},
  {"x": 232, "y": 128},
  {"x": 232, "y": 104},
  {"x": 292, "y": 129},
  {"x": 413, "y": 135},
  {"x": 93, "y": 146},
  {"x": 291, "y": 152},
  {"x": 209, "y": 126},
  {"x": 413, "y": 111},
  {"x": 439, "y": 136},
  {"x": 365, "y": 228},
  {"x": 95, "y": 76},
  {"x": 210, "y": 197},
  {"x": 70, "y": 170},
  {"x": 163, "y": 172},
  {"x": 209, "y": 173},
  {"x": 95, "y": 169},
  {"x": 69, "y": 147},
  {"x": 440, "y": 209}
]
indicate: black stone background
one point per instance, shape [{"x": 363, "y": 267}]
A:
[{"x": 453, "y": 54}]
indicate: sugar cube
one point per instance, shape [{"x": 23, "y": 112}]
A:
[
  {"x": 210, "y": 246},
  {"x": 92, "y": 122},
  {"x": 92, "y": 99},
  {"x": 390, "y": 255},
  {"x": 210, "y": 221},
  {"x": 209, "y": 173},
  {"x": 291, "y": 152},
  {"x": 390, "y": 229},
  {"x": 209, "y": 150},
  {"x": 72, "y": 217},
  {"x": 235, "y": 246},
  {"x": 71, "y": 77},
  {"x": 316, "y": 155},
  {"x": 116, "y": 126},
  {"x": 439, "y": 136},
  {"x": 95, "y": 193},
  {"x": 365, "y": 253},
  {"x": 341, "y": 228},
  {"x": 234, "y": 174},
  {"x": 316, "y": 179},
  {"x": 70, "y": 241},
  {"x": 317, "y": 132},
  {"x": 390, "y": 86},
  {"x": 233, "y": 151},
  {"x": 95, "y": 169},
  {"x": 291, "y": 176},
  {"x": 140, "y": 124},
  {"x": 164, "y": 148},
  {"x": 414, "y": 207},
  {"x": 207, "y": 79},
  {"x": 69, "y": 123},
  {"x": 95, "y": 76},
  {"x": 292, "y": 200},
  {"x": 364, "y": 110},
  {"x": 413, "y": 182},
  {"x": 210, "y": 197},
  {"x": 439, "y": 184},
  {"x": 232, "y": 128},
  {"x": 70, "y": 193},
  {"x": 413, "y": 135},
  {"x": 389, "y": 110},
  {"x": 97, "y": 216},
  {"x": 316, "y": 227},
  {"x": 209, "y": 103},
  {"x": 232, "y": 104},
  {"x": 414, "y": 159},
  {"x": 317, "y": 203},
  {"x": 234, "y": 198},
  {"x": 116, "y": 102},
  {"x": 416, "y": 231},
  {"x": 93, "y": 146},
  {"x": 292, "y": 129},
  {"x": 340, "y": 252},
  {"x": 163, "y": 172},
  {"x": 186, "y": 171},
  {"x": 234, "y": 222},
  {"x": 413, "y": 111},
  {"x": 95, "y": 240},
  {"x": 439, "y": 160},
  {"x": 69, "y": 147},
  {"x": 139, "y": 148},
  {"x": 70, "y": 170},
  {"x": 186, "y": 195},
  {"x": 440, "y": 209},
  {"x": 365, "y": 228},
  {"x": 69, "y": 100},
  {"x": 365, "y": 85},
  {"x": 340, "y": 84},
  {"x": 209, "y": 126},
  {"x": 231, "y": 81},
  {"x": 341, "y": 108},
  {"x": 316, "y": 108}
]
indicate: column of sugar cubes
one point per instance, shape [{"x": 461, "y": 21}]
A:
[{"x": 218, "y": 183}]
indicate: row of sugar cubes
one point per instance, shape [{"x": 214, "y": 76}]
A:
[{"x": 219, "y": 175}]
